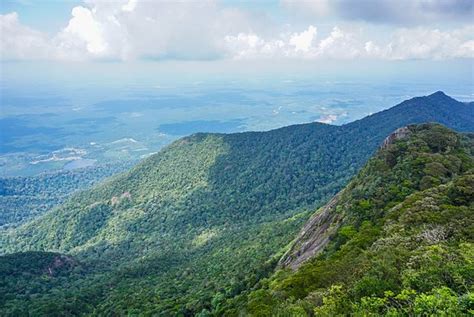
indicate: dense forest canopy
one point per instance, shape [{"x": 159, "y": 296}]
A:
[
  {"x": 192, "y": 227},
  {"x": 23, "y": 198},
  {"x": 403, "y": 244}
]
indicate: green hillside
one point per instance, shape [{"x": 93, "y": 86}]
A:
[
  {"x": 403, "y": 243},
  {"x": 24, "y": 198},
  {"x": 30, "y": 276},
  {"x": 207, "y": 217}
]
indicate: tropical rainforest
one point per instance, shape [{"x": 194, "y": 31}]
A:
[
  {"x": 403, "y": 244},
  {"x": 207, "y": 226},
  {"x": 23, "y": 198}
]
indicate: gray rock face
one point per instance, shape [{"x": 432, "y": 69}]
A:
[
  {"x": 323, "y": 225},
  {"x": 398, "y": 134},
  {"x": 314, "y": 236}
]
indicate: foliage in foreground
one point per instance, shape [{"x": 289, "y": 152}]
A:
[
  {"x": 406, "y": 245},
  {"x": 206, "y": 218}
]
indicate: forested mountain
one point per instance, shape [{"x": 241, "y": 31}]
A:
[
  {"x": 208, "y": 216},
  {"x": 29, "y": 275},
  {"x": 397, "y": 241},
  {"x": 23, "y": 198}
]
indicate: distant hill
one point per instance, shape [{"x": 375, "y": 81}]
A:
[
  {"x": 397, "y": 241},
  {"x": 23, "y": 198},
  {"x": 437, "y": 107},
  {"x": 207, "y": 217}
]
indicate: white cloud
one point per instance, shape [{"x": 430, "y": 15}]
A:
[
  {"x": 339, "y": 45},
  {"x": 304, "y": 40},
  {"x": 251, "y": 45},
  {"x": 336, "y": 45},
  {"x": 140, "y": 29},
  {"x": 404, "y": 44},
  {"x": 83, "y": 36},
  {"x": 134, "y": 29},
  {"x": 130, "y": 6},
  {"x": 466, "y": 50},
  {"x": 19, "y": 41},
  {"x": 422, "y": 43},
  {"x": 244, "y": 45},
  {"x": 372, "y": 49}
]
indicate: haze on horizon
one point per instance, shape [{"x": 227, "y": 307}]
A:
[{"x": 85, "y": 74}]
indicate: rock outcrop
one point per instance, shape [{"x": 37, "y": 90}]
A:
[
  {"x": 323, "y": 225},
  {"x": 398, "y": 134},
  {"x": 314, "y": 236}
]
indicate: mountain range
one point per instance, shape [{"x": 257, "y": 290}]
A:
[{"x": 200, "y": 227}]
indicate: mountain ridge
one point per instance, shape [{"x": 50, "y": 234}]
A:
[
  {"x": 208, "y": 214},
  {"x": 394, "y": 241}
]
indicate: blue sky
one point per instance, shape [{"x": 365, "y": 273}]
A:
[
  {"x": 46, "y": 16},
  {"x": 86, "y": 73},
  {"x": 78, "y": 41},
  {"x": 286, "y": 30}
]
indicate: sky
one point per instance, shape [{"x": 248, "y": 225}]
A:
[
  {"x": 284, "y": 31},
  {"x": 78, "y": 78}
]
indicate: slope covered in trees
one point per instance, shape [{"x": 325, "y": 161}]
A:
[
  {"x": 23, "y": 198},
  {"x": 401, "y": 239},
  {"x": 207, "y": 217},
  {"x": 30, "y": 276}
]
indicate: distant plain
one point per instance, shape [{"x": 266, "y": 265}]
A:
[{"x": 52, "y": 125}]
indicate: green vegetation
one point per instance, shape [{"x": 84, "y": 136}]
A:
[
  {"x": 404, "y": 247},
  {"x": 27, "y": 277},
  {"x": 191, "y": 228},
  {"x": 23, "y": 198}
]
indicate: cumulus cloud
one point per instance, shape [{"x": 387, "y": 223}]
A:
[
  {"x": 415, "y": 43},
  {"x": 131, "y": 29},
  {"x": 21, "y": 42},
  {"x": 305, "y": 44},
  {"x": 251, "y": 45},
  {"x": 304, "y": 40},
  {"x": 422, "y": 43},
  {"x": 83, "y": 36},
  {"x": 135, "y": 29},
  {"x": 339, "y": 44}
]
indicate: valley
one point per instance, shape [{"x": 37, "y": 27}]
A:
[
  {"x": 235, "y": 158},
  {"x": 200, "y": 227}
]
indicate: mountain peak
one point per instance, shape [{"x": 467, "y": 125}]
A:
[
  {"x": 437, "y": 99},
  {"x": 440, "y": 96},
  {"x": 439, "y": 93}
]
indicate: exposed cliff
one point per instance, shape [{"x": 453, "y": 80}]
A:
[
  {"x": 314, "y": 236},
  {"x": 397, "y": 241},
  {"x": 398, "y": 134},
  {"x": 324, "y": 223}
]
